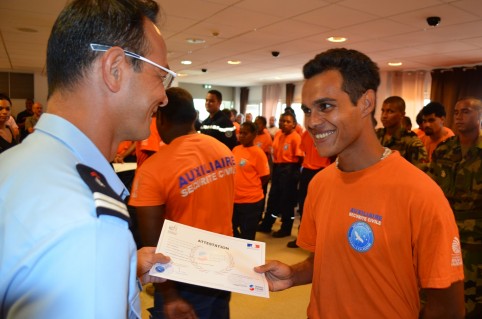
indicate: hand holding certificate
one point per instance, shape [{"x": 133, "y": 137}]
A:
[{"x": 212, "y": 260}]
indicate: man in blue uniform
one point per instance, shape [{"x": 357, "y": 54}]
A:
[{"x": 66, "y": 251}]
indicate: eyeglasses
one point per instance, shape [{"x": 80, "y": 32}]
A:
[
  {"x": 5, "y": 108},
  {"x": 166, "y": 79}
]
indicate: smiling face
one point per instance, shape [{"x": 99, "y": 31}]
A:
[
  {"x": 330, "y": 117},
  {"x": 146, "y": 90}
]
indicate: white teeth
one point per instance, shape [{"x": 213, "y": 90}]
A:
[{"x": 324, "y": 134}]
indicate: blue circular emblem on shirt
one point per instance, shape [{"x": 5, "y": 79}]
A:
[{"x": 360, "y": 236}]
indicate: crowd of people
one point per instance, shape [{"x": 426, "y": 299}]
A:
[
  {"x": 390, "y": 214},
  {"x": 13, "y": 131}
]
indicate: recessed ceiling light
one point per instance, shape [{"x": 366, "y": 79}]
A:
[
  {"x": 394, "y": 63},
  {"x": 30, "y": 30},
  {"x": 186, "y": 62},
  {"x": 336, "y": 39},
  {"x": 195, "y": 41},
  {"x": 234, "y": 62}
]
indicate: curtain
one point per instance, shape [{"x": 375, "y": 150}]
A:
[
  {"x": 290, "y": 93},
  {"x": 270, "y": 99},
  {"x": 243, "y": 99},
  {"x": 449, "y": 85}
]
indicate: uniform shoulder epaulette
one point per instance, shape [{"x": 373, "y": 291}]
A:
[{"x": 107, "y": 202}]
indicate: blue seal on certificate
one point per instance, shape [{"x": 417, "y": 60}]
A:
[{"x": 160, "y": 268}]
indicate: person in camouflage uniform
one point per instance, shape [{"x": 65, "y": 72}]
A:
[
  {"x": 457, "y": 168},
  {"x": 394, "y": 136}
]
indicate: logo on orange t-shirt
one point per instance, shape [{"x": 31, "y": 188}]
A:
[
  {"x": 456, "y": 253},
  {"x": 360, "y": 236}
]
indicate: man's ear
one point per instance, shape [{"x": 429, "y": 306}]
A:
[
  {"x": 114, "y": 67},
  {"x": 367, "y": 102}
]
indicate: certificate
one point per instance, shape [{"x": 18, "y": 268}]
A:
[{"x": 212, "y": 260}]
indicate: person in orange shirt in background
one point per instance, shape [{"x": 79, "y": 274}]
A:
[
  {"x": 312, "y": 164},
  {"x": 149, "y": 146},
  {"x": 252, "y": 173},
  {"x": 287, "y": 157},
  {"x": 190, "y": 180},
  {"x": 419, "y": 130},
  {"x": 126, "y": 152},
  {"x": 263, "y": 140},
  {"x": 231, "y": 114}
]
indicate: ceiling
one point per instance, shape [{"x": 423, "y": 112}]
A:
[{"x": 249, "y": 30}]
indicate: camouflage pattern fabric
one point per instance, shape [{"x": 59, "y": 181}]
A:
[
  {"x": 407, "y": 143},
  {"x": 460, "y": 177}
]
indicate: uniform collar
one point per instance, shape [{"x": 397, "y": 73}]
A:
[{"x": 83, "y": 148}]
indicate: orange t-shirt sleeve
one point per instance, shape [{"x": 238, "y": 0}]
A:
[{"x": 145, "y": 188}]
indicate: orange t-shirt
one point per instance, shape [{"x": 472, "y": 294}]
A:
[
  {"x": 286, "y": 148},
  {"x": 299, "y": 129},
  {"x": 193, "y": 177},
  {"x": 376, "y": 239},
  {"x": 419, "y": 132},
  {"x": 264, "y": 141},
  {"x": 431, "y": 145},
  {"x": 237, "y": 126},
  {"x": 312, "y": 159},
  {"x": 123, "y": 146},
  {"x": 251, "y": 165},
  {"x": 151, "y": 144}
]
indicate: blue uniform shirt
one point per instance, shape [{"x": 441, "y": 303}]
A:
[{"x": 58, "y": 259}]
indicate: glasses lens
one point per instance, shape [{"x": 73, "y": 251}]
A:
[
  {"x": 167, "y": 81},
  {"x": 4, "y": 108}
]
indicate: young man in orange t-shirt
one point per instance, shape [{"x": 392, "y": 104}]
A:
[{"x": 376, "y": 238}]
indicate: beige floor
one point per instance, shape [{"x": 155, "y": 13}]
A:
[{"x": 288, "y": 304}]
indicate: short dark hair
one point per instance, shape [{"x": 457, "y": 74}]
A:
[
  {"x": 250, "y": 126},
  {"x": 227, "y": 112},
  {"x": 474, "y": 101},
  {"x": 293, "y": 116},
  {"x": 434, "y": 108},
  {"x": 397, "y": 100},
  {"x": 359, "y": 72},
  {"x": 109, "y": 22},
  {"x": 4, "y": 96},
  {"x": 180, "y": 107},
  {"x": 407, "y": 120},
  {"x": 419, "y": 118},
  {"x": 262, "y": 119},
  {"x": 218, "y": 94}
]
